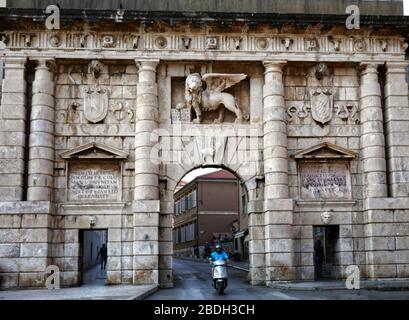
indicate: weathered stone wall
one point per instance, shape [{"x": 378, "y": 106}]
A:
[{"x": 24, "y": 243}]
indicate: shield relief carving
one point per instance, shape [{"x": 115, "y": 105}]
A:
[
  {"x": 96, "y": 103},
  {"x": 322, "y": 101}
]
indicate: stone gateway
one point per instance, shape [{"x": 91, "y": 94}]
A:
[{"x": 98, "y": 124}]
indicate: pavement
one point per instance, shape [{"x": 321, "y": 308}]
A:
[
  {"x": 121, "y": 292},
  {"x": 382, "y": 284},
  {"x": 94, "y": 288},
  {"x": 193, "y": 282}
]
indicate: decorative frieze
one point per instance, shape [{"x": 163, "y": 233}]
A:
[{"x": 202, "y": 42}]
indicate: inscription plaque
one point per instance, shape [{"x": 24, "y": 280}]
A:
[
  {"x": 325, "y": 181},
  {"x": 99, "y": 182}
]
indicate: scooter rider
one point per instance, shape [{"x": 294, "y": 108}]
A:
[{"x": 219, "y": 255}]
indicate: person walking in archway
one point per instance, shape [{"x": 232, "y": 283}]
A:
[{"x": 103, "y": 252}]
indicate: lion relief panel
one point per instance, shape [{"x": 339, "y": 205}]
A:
[{"x": 211, "y": 98}]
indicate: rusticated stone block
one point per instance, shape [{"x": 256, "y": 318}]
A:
[
  {"x": 32, "y": 280},
  {"x": 8, "y": 280},
  {"x": 34, "y": 250},
  {"x": 144, "y": 277},
  {"x": 146, "y": 248},
  {"x": 145, "y": 262},
  {"x": 9, "y": 251}
]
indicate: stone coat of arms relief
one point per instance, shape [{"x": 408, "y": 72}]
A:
[
  {"x": 96, "y": 103},
  {"x": 321, "y": 106},
  {"x": 322, "y": 97},
  {"x": 322, "y": 100},
  {"x": 96, "y": 97}
]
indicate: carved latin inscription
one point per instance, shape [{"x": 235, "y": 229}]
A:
[
  {"x": 94, "y": 182},
  {"x": 325, "y": 181}
]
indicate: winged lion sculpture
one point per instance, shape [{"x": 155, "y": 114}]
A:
[{"x": 211, "y": 97}]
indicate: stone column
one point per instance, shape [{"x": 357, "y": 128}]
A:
[
  {"x": 275, "y": 132},
  {"x": 372, "y": 136},
  {"x": 13, "y": 129},
  {"x": 397, "y": 128},
  {"x": 41, "y": 142},
  {"x": 147, "y": 204},
  {"x": 277, "y": 207},
  {"x": 373, "y": 164}
]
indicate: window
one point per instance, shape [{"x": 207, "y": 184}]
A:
[
  {"x": 184, "y": 234},
  {"x": 194, "y": 199},
  {"x": 243, "y": 204},
  {"x": 183, "y": 204},
  {"x": 189, "y": 201}
]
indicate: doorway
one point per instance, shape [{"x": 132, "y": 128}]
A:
[
  {"x": 91, "y": 270},
  {"x": 326, "y": 240}
]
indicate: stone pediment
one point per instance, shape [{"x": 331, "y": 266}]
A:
[
  {"x": 325, "y": 150},
  {"x": 94, "y": 151}
]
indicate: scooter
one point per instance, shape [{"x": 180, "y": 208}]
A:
[{"x": 220, "y": 276}]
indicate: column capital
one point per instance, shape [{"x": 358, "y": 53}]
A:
[
  {"x": 274, "y": 65},
  {"x": 43, "y": 63},
  {"x": 147, "y": 64},
  {"x": 370, "y": 67}
]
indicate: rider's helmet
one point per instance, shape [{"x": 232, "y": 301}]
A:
[{"x": 218, "y": 247}]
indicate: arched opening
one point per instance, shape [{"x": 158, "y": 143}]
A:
[{"x": 210, "y": 207}]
